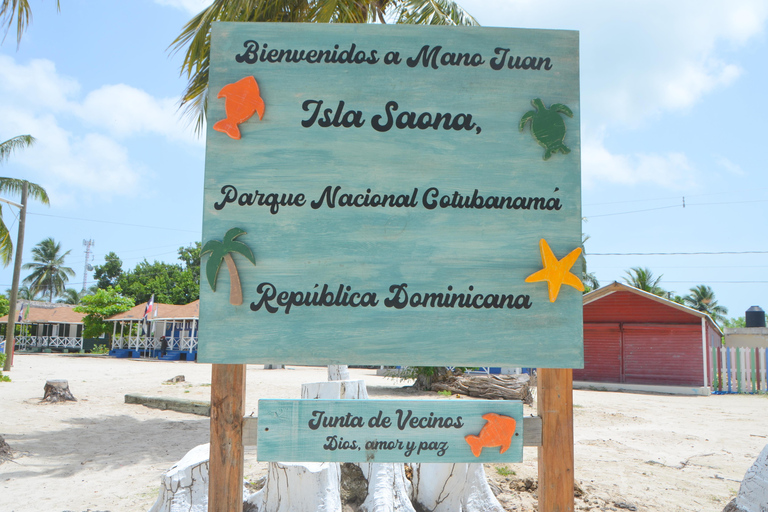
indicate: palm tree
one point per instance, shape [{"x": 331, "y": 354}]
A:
[
  {"x": 643, "y": 279},
  {"x": 702, "y": 298},
  {"x": 221, "y": 251},
  {"x": 24, "y": 293},
  {"x": 19, "y": 11},
  {"x": 14, "y": 186},
  {"x": 72, "y": 296},
  {"x": 588, "y": 278},
  {"x": 49, "y": 275},
  {"x": 196, "y": 34}
]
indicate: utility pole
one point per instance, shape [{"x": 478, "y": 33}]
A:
[
  {"x": 87, "y": 268},
  {"x": 10, "y": 338}
]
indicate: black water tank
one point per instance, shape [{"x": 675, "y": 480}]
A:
[{"x": 755, "y": 317}]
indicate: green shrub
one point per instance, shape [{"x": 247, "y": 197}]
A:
[
  {"x": 100, "y": 349},
  {"x": 3, "y": 378}
]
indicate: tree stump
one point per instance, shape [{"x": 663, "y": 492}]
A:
[
  {"x": 57, "y": 391},
  {"x": 5, "y": 451}
]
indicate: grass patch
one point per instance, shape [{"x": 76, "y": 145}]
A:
[{"x": 505, "y": 471}]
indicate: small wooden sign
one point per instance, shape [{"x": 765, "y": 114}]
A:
[{"x": 390, "y": 431}]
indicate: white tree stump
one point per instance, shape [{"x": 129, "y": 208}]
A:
[
  {"x": 753, "y": 492},
  {"x": 184, "y": 487},
  {"x": 335, "y": 390},
  {"x": 338, "y": 372},
  {"x": 299, "y": 487},
  {"x": 57, "y": 391},
  {"x": 453, "y": 488},
  {"x": 388, "y": 488}
]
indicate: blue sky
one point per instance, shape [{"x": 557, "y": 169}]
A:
[{"x": 671, "y": 106}]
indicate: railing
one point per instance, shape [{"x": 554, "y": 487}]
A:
[
  {"x": 184, "y": 344},
  {"x": 26, "y": 342},
  {"x": 739, "y": 370}
]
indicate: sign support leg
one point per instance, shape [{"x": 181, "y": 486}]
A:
[
  {"x": 226, "y": 465},
  {"x": 556, "y": 459}
]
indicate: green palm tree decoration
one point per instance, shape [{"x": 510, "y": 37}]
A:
[
  {"x": 221, "y": 251},
  {"x": 13, "y": 186},
  {"x": 196, "y": 34},
  {"x": 702, "y": 298},
  {"x": 643, "y": 279},
  {"x": 49, "y": 275}
]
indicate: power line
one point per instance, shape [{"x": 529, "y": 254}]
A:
[
  {"x": 671, "y": 253},
  {"x": 113, "y": 222}
]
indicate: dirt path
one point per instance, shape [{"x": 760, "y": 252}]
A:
[{"x": 633, "y": 451}]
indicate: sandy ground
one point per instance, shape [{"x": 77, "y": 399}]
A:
[{"x": 633, "y": 451}]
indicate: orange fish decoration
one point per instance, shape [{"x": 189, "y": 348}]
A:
[
  {"x": 243, "y": 99},
  {"x": 498, "y": 431}
]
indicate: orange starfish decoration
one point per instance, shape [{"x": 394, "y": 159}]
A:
[{"x": 556, "y": 272}]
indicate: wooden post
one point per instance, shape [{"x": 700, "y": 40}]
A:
[
  {"x": 225, "y": 484},
  {"x": 556, "y": 460}
]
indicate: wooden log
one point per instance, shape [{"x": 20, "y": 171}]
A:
[
  {"x": 556, "y": 459},
  {"x": 225, "y": 488},
  {"x": 491, "y": 387},
  {"x": 57, "y": 391}
]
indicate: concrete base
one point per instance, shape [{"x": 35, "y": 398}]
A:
[{"x": 643, "y": 388}]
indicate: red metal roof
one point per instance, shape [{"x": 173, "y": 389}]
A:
[{"x": 163, "y": 311}]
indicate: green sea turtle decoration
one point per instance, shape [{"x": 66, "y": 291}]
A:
[{"x": 547, "y": 127}]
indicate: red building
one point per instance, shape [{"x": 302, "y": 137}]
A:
[{"x": 635, "y": 337}]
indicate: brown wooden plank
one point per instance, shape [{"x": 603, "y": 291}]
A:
[
  {"x": 531, "y": 430},
  {"x": 556, "y": 459},
  {"x": 225, "y": 485}
]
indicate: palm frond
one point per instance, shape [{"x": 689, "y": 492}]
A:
[
  {"x": 10, "y": 145},
  {"x": 14, "y": 186},
  {"x": 19, "y": 11},
  {"x": 195, "y": 37}
]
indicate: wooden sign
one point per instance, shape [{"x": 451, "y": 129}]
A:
[
  {"x": 392, "y": 195},
  {"x": 390, "y": 431}
]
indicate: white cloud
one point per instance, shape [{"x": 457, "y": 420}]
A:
[
  {"x": 36, "y": 86},
  {"x": 729, "y": 166},
  {"x": 124, "y": 110},
  {"x": 191, "y": 6},
  {"x": 641, "y": 59},
  {"x": 670, "y": 170},
  {"x": 82, "y": 145}
]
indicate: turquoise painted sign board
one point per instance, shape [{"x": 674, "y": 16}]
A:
[
  {"x": 390, "y": 431},
  {"x": 382, "y": 193}
]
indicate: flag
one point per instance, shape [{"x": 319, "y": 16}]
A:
[
  {"x": 21, "y": 312},
  {"x": 149, "y": 307}
]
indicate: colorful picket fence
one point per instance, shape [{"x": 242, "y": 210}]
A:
[{"x": 739, "y": 370}]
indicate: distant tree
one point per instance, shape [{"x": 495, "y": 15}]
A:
[
  {"x": 5, "y": 306},
  {"x": 702, "y": 298},
  {"x": 101, "y": 305},
  {"x": 24, "y": 293},
  {"x": 588, "y": 278},
  {"x": 190, "y": 255},
  {"x": 109, "y": 273},
  {"x": 736, "y": 323},
  {"x": 169, "y": 283},
  {"x": 643, "y": 279},
  {"x": 72, "y": 296},
  {"x": 49, "y": 275}
]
